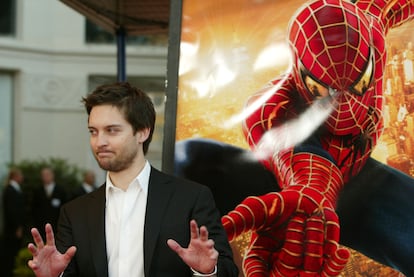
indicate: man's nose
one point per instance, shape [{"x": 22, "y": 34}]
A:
[{"x": 101, "y": 139}]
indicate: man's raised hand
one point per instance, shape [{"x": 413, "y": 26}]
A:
[
  {"x": 47, "y": 260},
  {"x": 200, "y": 254}
]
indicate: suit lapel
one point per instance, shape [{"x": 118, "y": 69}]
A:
[
  {"x": 159, "y": 192},
  {"x": 96, "y": 221}
]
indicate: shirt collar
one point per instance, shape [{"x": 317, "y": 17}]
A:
[
  {"x": 142, "y": 178},
  {"x": 88, "y": 188},
  {"x": 15, "y": 185}
]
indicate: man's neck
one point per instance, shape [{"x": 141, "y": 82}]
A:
[{"x": 123, "y": 178}]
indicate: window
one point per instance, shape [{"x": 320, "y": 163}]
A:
[
  {"x": 7, "y": 17},
  {"x": 96, "y": 34}
]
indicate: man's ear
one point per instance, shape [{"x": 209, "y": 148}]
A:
[{"x": 143, "y": 134}]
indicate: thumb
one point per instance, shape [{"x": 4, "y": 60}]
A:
[
  {"x": 70, "y": 253},
  {"x": 174, "y": 246},
  {"x": 337, "y": 263}
]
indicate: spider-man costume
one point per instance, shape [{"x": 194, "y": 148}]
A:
[{"x": 328, "y": 180}]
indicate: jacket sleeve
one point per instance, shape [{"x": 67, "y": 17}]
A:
[{"x": 64, "y": 240}]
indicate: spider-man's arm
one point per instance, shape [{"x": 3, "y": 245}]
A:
[
  {"x": 267, "y": 108},
  {"x": 296, "y": 230},
  {"x": 391, "y": 13},
  {"x": 301, "y": 220}
]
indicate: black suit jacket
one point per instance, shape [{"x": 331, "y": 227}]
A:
[
  {"x": 46, "y": 209},
  {"x": 78, "y": 191},
  {"x": 14, "y": 211},
  {"x": 171, "y": 204}
]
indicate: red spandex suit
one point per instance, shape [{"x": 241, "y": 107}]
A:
[{"x": 326, "y": 178}]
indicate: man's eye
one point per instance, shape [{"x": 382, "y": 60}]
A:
[
  {"x": 362, "y": 84},
  {"x": 112, "y": 130},
  {"x": 317, "y": 90}
]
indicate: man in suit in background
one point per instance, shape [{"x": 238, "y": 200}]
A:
[
  {"x": 135, "y": 224},
  {"x": 14, "y": 210},
  {"x": 88, "y": 184},
  {"x": 47, "y": 200}
]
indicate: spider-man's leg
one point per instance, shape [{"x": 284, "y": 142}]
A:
[
  {"x": 229, "y": 171},
  {"x": 376, "y": 211}
]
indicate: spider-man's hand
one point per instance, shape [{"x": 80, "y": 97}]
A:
[{"x": 294, "y": 233}]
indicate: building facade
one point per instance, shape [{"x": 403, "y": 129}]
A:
[{"x": 48, "y": 61}]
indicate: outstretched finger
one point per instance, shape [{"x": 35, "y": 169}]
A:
[
  {"x": 37, "y": 238},
  {"x": 203, "y": 233},
  {"x": 50, "y": 237},
  {"x": 175, "y": 246},
  {"x": 33, "y": 266},
  {"x": 195, "y": 232},
  {"x": 32, "y": 248},
  {"x": 70, "y": 253}
]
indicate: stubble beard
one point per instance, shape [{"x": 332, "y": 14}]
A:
[{"x": 118, "y": 163}]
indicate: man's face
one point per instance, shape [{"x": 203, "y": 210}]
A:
[
  {"x": 112, "y": 140},
  {"x": 47, "y": 176},
  {"x": 90, "y": 178},
  {"x": 18, "y": 177}
]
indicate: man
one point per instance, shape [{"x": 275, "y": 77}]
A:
[
  {"x": 47, "y": 200},
  {"x": 14, "y": 219},
  {"x": 135, "y": 224},
  {"x": 87, "y": 186}
]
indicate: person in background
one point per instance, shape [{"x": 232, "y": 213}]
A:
[
  {"x": 88, "y": 184},
  {"x": 136, "y": 223},
  {"x": 14, "y": 220},
  {"x": 47, "y": 200}
]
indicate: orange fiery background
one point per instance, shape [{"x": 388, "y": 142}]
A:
[{"x": 230, "y": 49}]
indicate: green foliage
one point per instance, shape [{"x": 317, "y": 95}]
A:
[
  {"x": 67, "y": 175},
  {"x": 22, "y": 269}
]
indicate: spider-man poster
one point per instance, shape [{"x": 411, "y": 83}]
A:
[{"x": 299, "y": 115}]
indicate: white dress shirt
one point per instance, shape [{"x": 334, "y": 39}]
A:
[
  {"x": 88, "y": 188},
  {"x": 15, "y": 185},
  {"x": 124, "y": 223},
  {"x": 49, "y": 189}
]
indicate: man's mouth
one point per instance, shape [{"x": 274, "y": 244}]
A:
[{"x": 104, "y": 154}]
